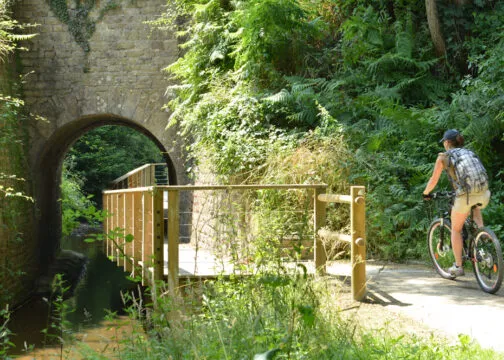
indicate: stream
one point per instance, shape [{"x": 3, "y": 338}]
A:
[{"x": 97, "y": 295}]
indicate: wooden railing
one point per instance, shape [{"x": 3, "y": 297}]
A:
[
  {"x": 135, "y": 230},
  {"x": 356, "y": 238},
  {"x": 143, "y": 176},
  {"x": 139, "y": 213}
]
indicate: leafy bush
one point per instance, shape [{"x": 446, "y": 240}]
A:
[
  {"x": 76, "y": 206},
  {"x": 361, "y": 70},
  {"x": 103, "y": 154}
]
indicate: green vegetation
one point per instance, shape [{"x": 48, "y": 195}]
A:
[
  {"x": 336, "y": 91},
  {"x": 78, "y": 17},
  {"x": 104, "y": 154},
  {"x": 341, "y": 92},
  {"x": 15, "y": 191},
  {"x": 76, "y": 206},
  {"x": 259, "y": 79},
  {"x": 273, "y": 315}
]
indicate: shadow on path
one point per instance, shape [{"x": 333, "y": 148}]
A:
[
  {"x": 451, "y": 306},
  {"x": 378, "y": 297}
]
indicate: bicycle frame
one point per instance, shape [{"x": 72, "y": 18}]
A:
[
  {"x": 468, "y": 230},
  {"x": 480, "y": 246},
  {"x": 444, "y": 215}
]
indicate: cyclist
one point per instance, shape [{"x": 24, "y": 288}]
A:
[{"x": 470, "y": 182}]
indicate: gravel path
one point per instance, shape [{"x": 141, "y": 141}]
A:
[{"x": 413, "y": 298}]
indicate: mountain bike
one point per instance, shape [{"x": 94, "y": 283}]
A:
[{"x": 480, "y": 246}]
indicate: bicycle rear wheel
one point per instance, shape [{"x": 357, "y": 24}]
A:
[
  {"x": 440, "y": 250},
  {"x": 487, "y": 260}
]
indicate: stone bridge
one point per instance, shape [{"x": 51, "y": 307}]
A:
[{"x": 75, "y": 81}]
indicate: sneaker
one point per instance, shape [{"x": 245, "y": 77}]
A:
[{"x": 456, "y": 270}]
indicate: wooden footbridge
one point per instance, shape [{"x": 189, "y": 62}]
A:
[{"x": 144, "y": 227}]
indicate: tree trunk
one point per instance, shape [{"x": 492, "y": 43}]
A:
[{"x": 435, "y": 28}]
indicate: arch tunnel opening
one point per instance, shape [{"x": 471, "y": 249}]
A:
[
  {"x": 49, "y": 174},
  {"x": 100, "y": 288}
]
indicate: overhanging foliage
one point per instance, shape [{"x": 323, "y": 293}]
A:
[{"x": 259, "y": 77}]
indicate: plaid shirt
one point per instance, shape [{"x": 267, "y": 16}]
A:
[{"x": 468, "y": 175}]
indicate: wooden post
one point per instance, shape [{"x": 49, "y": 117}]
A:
[
  {"x": 121, "y": 216},
  {"x": 358, "y": 244},
  {"x": 138, "y": 230},
  {"x": 319, "y": 221},
  {"x": 173, "y": 239},
  {"x": 158, "y": 235},
  {"x": 148, "y": 235},
  {"x": 115, "y": 224},
  {"x": 129, "y": 230},
  {"x": 106, "y": 222}
]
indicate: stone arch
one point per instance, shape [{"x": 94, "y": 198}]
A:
[{"x": 47, "y": 175}]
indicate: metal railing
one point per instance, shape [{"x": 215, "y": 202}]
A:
[{"x": 141, "y": 214}]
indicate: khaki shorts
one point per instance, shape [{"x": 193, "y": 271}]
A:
[{"x": 462, "y": 206}]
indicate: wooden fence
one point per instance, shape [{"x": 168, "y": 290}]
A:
[
  {"x": 135, "y": 230},
  {"x": 143, "y": 176},
  {"x": 356, "y": 238},
  {"x": 139, "y": 213}
]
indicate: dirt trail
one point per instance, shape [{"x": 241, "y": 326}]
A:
[{"x": 422, "y": 302}]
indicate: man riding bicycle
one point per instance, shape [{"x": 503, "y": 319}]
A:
[{"x": 470, "y": 182}]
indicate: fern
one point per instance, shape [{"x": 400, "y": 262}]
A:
[
  {"x": 10, "y": 34},
  {"x": 282, "y": 97}
]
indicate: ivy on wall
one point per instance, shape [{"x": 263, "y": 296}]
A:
[
  {"x": 78, "y": 19},
  {"x": 16, "y": 205}
]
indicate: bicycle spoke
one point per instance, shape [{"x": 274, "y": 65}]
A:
[
  {"x": 440, "y": 248},
  {"x": 487, "y": 261}
]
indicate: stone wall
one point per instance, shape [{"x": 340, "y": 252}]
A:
[
  {"x": 116, "y": 79},
  {"x": 120, "y": 75}
]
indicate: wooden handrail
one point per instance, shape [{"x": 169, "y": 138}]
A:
[
  {"x": 220, "y": 187},
  {"x": 142, "y": 176},
  {"x": 334, "y": 236},
  {"x": 334, "y": 198},
  {"x": 147, "y": 202},
  {"x": 132, "y": 172},
  {"x": 357, "y": 236}
]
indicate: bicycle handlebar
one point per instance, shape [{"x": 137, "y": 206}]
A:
[{"x": 442, "y": 195}]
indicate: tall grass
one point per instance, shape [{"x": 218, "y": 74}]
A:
[{"x": 276, "y": 315}]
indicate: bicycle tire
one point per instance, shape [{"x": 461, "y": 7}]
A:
[
  {"x": 441, "y": 252},
  {"x": 487, "y": 260}
]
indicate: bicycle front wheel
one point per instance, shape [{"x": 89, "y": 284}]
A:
[
  {"x": 440, "y": 250},
  {"x": 487, "y": 260}
]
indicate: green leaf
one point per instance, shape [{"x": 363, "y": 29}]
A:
[{"x": 307, "y": 314}]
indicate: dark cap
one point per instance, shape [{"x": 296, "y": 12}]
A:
[{"x": 450, "y": 135}]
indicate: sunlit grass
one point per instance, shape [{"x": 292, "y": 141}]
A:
[{"x": 278, "y": 316}]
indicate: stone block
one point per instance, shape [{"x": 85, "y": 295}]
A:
[
  {"x": 51, "y": 21},
  {"x": 124, "y": 45}
]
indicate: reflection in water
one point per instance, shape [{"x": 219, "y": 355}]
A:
[
  {"x": 96, "y": 296},
  {"x": 99, "y": 291}
]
